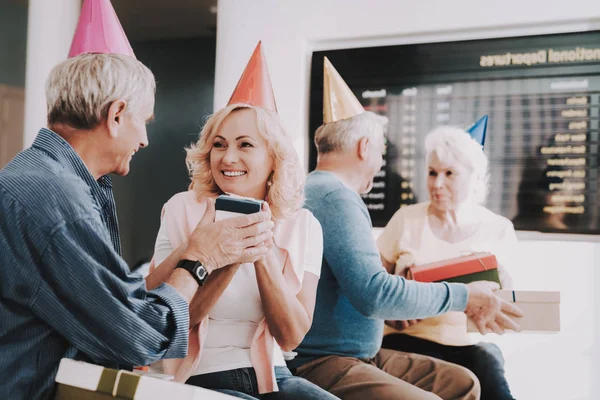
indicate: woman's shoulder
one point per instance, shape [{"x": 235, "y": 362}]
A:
[
  {"x": 301, "y": 222},
  {"x": 298, "y": 230},
  {"x": 415, "y": 209},
  {"x": 495, "y": 221},
  {"x": 411, "y": 212},
  {"x": 189, "y": 198},
  {"x": 182, "y": 197},
  {"x": 302, "y": 217}
]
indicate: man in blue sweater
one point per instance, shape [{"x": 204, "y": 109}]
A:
[{"x": 341, "y": 352}]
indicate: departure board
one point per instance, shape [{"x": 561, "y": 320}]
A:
[{"x": 542, "y": 96}]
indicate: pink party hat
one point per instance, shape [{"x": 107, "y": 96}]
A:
[{"x": 99, "y": 31}]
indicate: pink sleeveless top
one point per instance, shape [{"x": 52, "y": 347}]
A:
[{"x": 182, "y": 214}]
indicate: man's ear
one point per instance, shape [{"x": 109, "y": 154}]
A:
[
  {"x": 363, "y": 148},
  {"x": 114, "y": 119}
]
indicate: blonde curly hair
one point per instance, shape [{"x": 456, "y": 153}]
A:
[{"x": 285, "y": 194}]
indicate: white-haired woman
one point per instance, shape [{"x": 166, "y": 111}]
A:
[
  {"x": 246, "y": 314},
  {"x": 451, "y": 224}
]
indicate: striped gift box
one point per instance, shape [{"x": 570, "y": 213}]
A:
[{"x": 78, "y": 380}]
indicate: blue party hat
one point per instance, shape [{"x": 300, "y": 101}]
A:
[{"x": 478, "y": 130}]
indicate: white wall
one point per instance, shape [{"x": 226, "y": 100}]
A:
[
  {"x": 545, "y": 367},
  {"x": 48, "y": 44}
]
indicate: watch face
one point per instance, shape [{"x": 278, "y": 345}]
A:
[{"x": 201, "y": 272}]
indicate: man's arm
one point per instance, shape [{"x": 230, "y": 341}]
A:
[
  {"x": 180, "y": 279},
  {"x": 87, "y": 295},
  {"x": 351, "y": 252}
]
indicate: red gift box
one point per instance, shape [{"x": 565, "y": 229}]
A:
[{"x": 473, "y": 267}]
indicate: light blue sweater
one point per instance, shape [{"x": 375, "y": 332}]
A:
[{"x": 355, "y": 293}]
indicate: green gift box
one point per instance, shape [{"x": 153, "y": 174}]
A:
[{"x": 77, "y": 380}]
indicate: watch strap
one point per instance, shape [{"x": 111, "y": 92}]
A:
[{"x": 196, "y": 269}]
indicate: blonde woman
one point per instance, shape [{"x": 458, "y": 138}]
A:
[{"x": 247, "y": 315}]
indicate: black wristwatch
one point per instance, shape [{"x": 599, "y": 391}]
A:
[{"x": 195, "y": 268}]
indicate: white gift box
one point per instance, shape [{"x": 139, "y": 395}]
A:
[
  {"x": 541, "y": 309},
  {"x": 83, "y": 381}
]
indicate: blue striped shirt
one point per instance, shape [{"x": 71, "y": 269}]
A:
[{"x": 65, "y": 291}]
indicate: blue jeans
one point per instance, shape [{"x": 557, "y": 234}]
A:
[
  {"x": 483, "y": 359},
  {"x": 242, "y": 383}
]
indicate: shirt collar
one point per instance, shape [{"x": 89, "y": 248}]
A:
[{"x": 59, "y": 149}]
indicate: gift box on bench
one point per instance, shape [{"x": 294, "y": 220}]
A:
[
  {"x": 469, "y": 268},
  {"x": 541, "y": 309},
  {"x": 78, "y": 380}
]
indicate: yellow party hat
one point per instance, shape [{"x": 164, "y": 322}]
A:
[{"x": 338, "y": 100}]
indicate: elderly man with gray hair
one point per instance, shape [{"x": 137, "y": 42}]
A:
[
  {"x": 356, "y": 292},
  {"x": 65, "y": 291}
]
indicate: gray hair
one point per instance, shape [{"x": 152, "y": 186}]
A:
[
  {"x": 453, "y": 145},
  {"x": 80, "y": 90},
  {"x": 343, "y": 134}
]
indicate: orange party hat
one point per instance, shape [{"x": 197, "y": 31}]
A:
[{"x": 254, "y": 86}]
